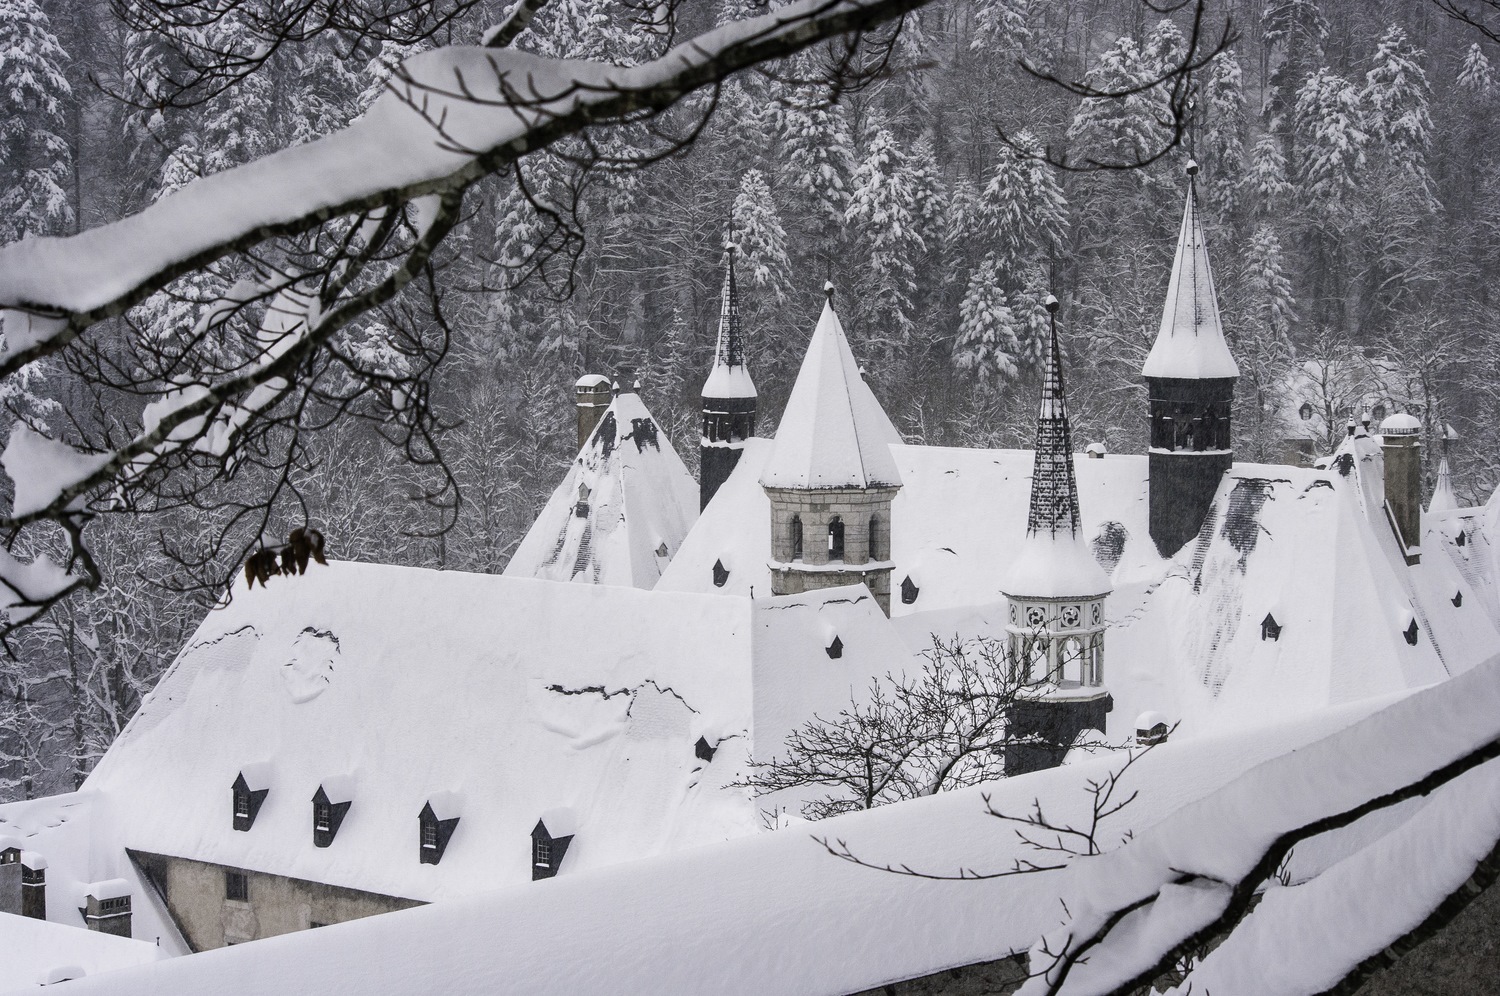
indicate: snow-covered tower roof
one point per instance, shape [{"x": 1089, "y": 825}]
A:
[
  {"x": 730, "y": 376},
  {"x": 1190, "y": 343},
  {"x": 1443, "y": 499},
  {"x": 1055, "y": 560},
  {"x": 834, "y": 433},
  {"x": 621, "y": 511}
]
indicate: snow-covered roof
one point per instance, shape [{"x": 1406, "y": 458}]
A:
[
  {"x": 834, "y": 434},
  {"x": 38, "y": 952},
  {"x": 1190, "y": 343},
  {"x": 625, "y": 497},
  {"x": 1054, "y": 566},
  {"x": 1442, "y": 499},
  {"x": 754, "y": 915},
  {"x": 1184, "y": 634},
  {"x": 391, "y": 686},
  {"x": 1401, "y": 424}
]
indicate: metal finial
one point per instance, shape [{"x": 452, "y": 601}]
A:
[
  {"x": 1051, "y": 304},
  {"x": 828, "y": 289},
  {"x": 1192, "y": 167}
]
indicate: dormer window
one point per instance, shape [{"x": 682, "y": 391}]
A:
[
  {"x": 836, "y": 648},
  {"x": 1462, "y": 539},
  {"x": 330, "y": 805},
  {"x": 909, "y": 590},
  {"x": 1411, "y": 632},
  {"x": 549, "y": 842},
  {"x": 435, "y": 825},
  {"x": 1458, "y": 599},
  {"x": 721, "y": 574},
  {"x": 1270, "y": 629},
  {"x": 249, "y": 792},
  {"x": 703, "y": 750}
]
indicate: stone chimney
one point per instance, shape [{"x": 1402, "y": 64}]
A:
[
  {"x": 593, "y": 396},
  {"x": 1401, "y": 447},
  {"x": 10, "y": 877},
  {"x": 107, "y": 907},
  {"x": 33, "y": 885}
]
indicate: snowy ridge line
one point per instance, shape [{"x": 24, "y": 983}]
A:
[{"x": 606, "y": 694}]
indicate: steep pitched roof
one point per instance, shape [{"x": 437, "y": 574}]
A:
[
  {"x": 834, "y": 433},
  {"x": 626, "y": 498},
  {"x": 1190, "y": 343},
  {"x": 730, "y": 376},
  {"x": 1443, "y": 499}
]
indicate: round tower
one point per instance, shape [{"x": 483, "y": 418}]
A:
[
  {"x": 1056, "y": 590},
  {"x": 831, "y": 477},
  {"x": 1190, "y": 377},
  {"x": 729, "y": 395}
]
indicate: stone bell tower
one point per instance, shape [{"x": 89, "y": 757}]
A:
[{"x": 831, "y": 477}]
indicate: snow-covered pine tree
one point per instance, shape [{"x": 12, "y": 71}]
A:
[
  {"x": 1294, "y": 32},
  {"x": 1265, "y": 181},
  {"x": 817, "y": 162},
  {"x": 1022, "y": 212},
  {"x": 1119, "y": 130},
  {"x": 929, "y": 205},
  {"x": 1475, "y": 74},
  {"x": 1331, "y": 141},
  {"x": 1002, "y": 27},
  {"x": 882, "y": 211},
  {"x": 1164, "y": 46},
  {"x": 762, "y": 262},
  {"x": 1395, "y": 100},
  {"x": 1223, "y": 146},
  {"x": 988, "y": 344},
  {"x": 1266, "y": 283},
  {"x": 35, "y": 161}
]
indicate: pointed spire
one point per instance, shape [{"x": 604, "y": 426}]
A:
[
  {"x": 1055, "y": 560},
  {"x": 833, "y": 434},
  {"x": 1054, "y": 489},
  {"x": 1190, "y": 343},
  {"x": 1443, "y": 499},
  {"x": 730, "y": 378}
]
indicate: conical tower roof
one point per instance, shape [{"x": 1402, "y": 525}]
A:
[
  {"x": 1055, "y": 560},
  {"x": 1443, "y": 499},
  {"x": 1190, "y": 343},
  {"x": 730, "y": 377},
  {"x": 834, "y": 433}
]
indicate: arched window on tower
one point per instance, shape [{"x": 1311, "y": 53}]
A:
[
  {"x": 836, "y": 538},
  {"x": 796, "y": 537},
  {"x": 875, "y": 553}
]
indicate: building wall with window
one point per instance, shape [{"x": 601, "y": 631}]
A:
[{"x": 201, "y": 898}]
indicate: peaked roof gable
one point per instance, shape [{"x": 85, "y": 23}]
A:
[
  {"x": 1190, "y": 343},
  {"x": 834, "y": 433},
  {"x": 730, "y": 376},
  {"x": 626, "y": 496}
]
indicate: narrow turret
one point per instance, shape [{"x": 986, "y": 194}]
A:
[{"x": 729, "y": 396}]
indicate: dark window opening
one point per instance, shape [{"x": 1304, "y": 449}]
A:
[
  {"x": 236, "y": 886},
  {"x": 1306, "y": 411},
  {"x": 242, "y": 805},
  {"x": 1463, "y": 539},
  {"x": 836, "y": 648},
  {"x": 1458, "y": 599},
  {"x": 721, "y": 574},
  {"x": 120, "y": 904},
  {"x": 429, "y": 835},
  {"x": 543, "y": 858},
  {"x": 703, "y": 750},
  {"x": 1411, "y": 633},
  {"x": 875, "y": 538},
  {"x": 796, "y": 537},
  {"x": 836, "y": 538},
  {"x": 321, "y": 817},
  {"x": 909, "y": 590},
  {"x": 1270, "y": 629}
]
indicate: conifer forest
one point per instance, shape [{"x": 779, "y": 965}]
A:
[{"x": 1349, "y": 172}]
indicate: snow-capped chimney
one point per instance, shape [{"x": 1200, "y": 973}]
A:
[
  {"x": 593, "y": 397},
  {"x": 1401, "y": 447}
]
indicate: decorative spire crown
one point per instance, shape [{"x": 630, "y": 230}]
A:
[
  {"x": 1054, "y": 489},
  {"x": 730, "y": 377},
  {"x": 1190, "y": 342}
]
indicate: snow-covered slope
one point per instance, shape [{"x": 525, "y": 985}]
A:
[
  {"x": 621, "y": 511},
  {"x": 40, "y": 952},
  {"x": 773, "y": 913}
]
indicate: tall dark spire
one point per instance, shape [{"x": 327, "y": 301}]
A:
[
  {"x": 1054, "y": 488},
  {"x": 729, "y": 396}
]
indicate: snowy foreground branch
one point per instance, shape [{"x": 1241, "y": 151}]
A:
[
  {"x": 1408, "y": 826},
  {"x": 376, "y": 199}
]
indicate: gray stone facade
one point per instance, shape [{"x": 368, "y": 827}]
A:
[
  {"x": 813, "y": 564},
  {"x": 196, "y": 896}
]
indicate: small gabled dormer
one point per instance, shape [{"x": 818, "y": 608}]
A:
[
  {"x": 1270, "y": 629},
  {"x": 909, "y": 590},
  {"x": 435, "y": 825},
  {"x": 721, "y": 574},
  {"x": 330, "y": 804},
  {"x": 835, "y": 648},
  {"x": 703, "y": 750},
  {"x": 1411, "y": 632},
  {"x": 549, "y": 842},
  {"x": 248, "y": 793}
]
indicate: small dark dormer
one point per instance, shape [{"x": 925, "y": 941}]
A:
[
  {"x": 549, "y": 843},
  {"x": 721, "y": 574},
  {"x": 704, "y": 750},
  {"x": 249, "y": 792},
  {"x": 909, "y": 590},
  {"x": 1411, "y": 632},
  {"x": 1458, "y": 599},
  {"x": 836, "y": 648},
  {"x": 1270, "y": 629},
  {"x": 435, "y": 826},
  {"x": 330, "y": 803}
]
